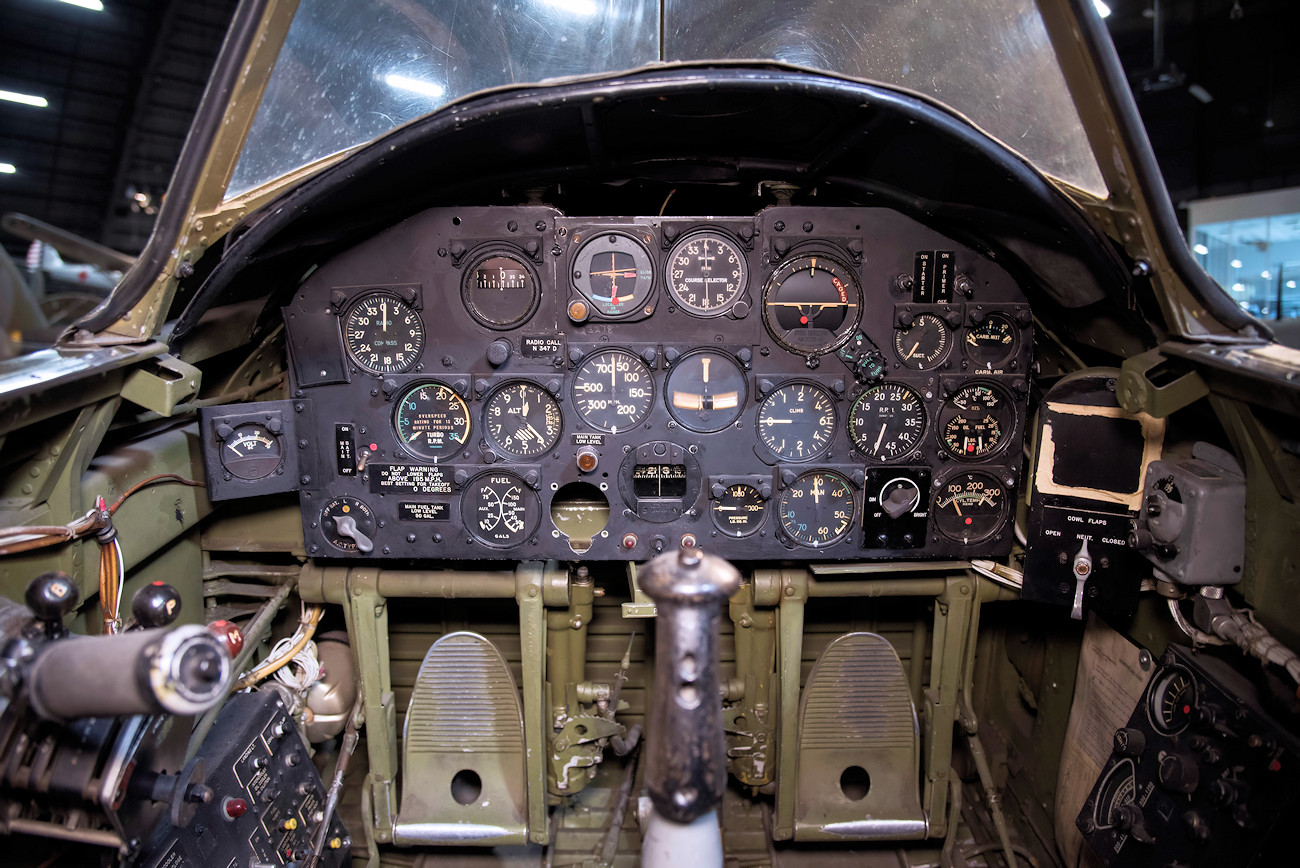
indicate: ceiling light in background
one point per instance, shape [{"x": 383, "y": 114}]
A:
[
  {"x": 427, "y": 88},
  {"x": 1239, "y": 287},
  {"x": 93, "y": 5},
  {"x": 1200, "y": 93},
  {"x": 1102, "y": 9},
  {"x": 7, "y": 169},
  {"x": 1266, "y": 275},
  {"x": 1290, "y": 284},
  {"x": 1236, "y": 263},
  {"x": 1200, "y": 249},
  {"x": 24, "y": 98}
]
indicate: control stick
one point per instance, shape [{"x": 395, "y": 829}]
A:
[{"x": 686, "y": 765}]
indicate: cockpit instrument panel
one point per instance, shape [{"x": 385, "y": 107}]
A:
[{"x": 766, "y": 386}]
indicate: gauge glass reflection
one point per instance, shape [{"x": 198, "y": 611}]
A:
[
  {"x": 432, "y": 421},
  {"x": 706, "y": 391},
  {"x": 797, "y": 421},
  {"x": 613, "y": 390}
]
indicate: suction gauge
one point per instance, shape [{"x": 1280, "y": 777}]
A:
[{"x": 925, "y": 344}]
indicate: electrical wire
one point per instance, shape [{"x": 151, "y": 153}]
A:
[
  {"x": 305, "y": 660},
  {"x": 298, "y": 641},
  {"x": 1000, "y": 573}
]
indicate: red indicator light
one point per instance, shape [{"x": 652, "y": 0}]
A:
[
  {"x": 1275, "y": 766},
  {"x": 374, "y": 447},
  {"x": 235, "y": 808},
  {"x": 968, "y": 519},
  {"x": 1187, "y": 709}
]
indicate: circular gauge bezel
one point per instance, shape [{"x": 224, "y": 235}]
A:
[
  {"x": 467, "y": 287},
  {"x": 870, "y": 450},
  {"x": 642, "y": 370},
  {"x": 550, "y": 435},
  {"x": 827, "y": 430},
  {"x": 992, "y": 362},
  {"x": 454, "y": 400},
  {"x": 615, "y": 241},
  {"x": 532, "y": 506},
  {"x": 852, "y": 297},
  {"x": 366, "y": 524},
  {"x": 1007, "y": 419},
  {"x": 1158, "y": 690},
  {"x": 924, "y": 363},
  {"x": 784, "y": 515},
  {"x": 1003, "y": 508},
  {"x": 728, "y": 416},
  {"x": 680, "y": 292},
  {"x": 415, "y": 334},
  {"x": 257, "y": 431},
  {"x": 757, "y": 516}
]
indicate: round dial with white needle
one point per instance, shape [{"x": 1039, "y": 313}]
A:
[
  {"x": 383, "y": 334},
  {"x": 817, "y": 509},
  {"x": 739, "y": 511},
  {"x": 251, "y": 451},
  {"x": 797, "y": 421},
  {"x": 705, "y": 391},
  {"x": 976, "y": 421},
  {"x": 613, "y": 390},
  {"x": 522, "y": 420},
  {"x": 432, "y": 421},
  {"x": 706, "y": 273},
  {"x": 925, "y": 344},
  {"x": 887, "y": 421},
  {"x": 499, "y": 509}
]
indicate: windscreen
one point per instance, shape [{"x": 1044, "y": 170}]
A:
[{"x": 349, "y": 72}]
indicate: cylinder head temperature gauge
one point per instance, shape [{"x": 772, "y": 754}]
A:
[{"x": 970, "y": 507}]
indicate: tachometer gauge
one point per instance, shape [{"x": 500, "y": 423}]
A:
[
  {"x": 614, "y": 272},
  {"x": 811, "y": 304},
  {"x": 817, "y": 509},
  {"x": 522, "y": 420},
  {"x": 993, "y": 342},
  {"x": 976, "y": 421},
  {"x": 797, "y": 421},
  {"x": 383, "y": 334},
  {"x": 613, "y": 390},
  {"x": 1171, "y": 699},
  {"x": 432, "y": 421},
  {"x": 970, "y": 507},
  {"x": 251, "y": 452},
  {"x": 887, "y": 421},
  {"x": 500, "y": 290},
  {"x": 739, "y": 511},
  {"x": 706, "y": 273},
  {"x": 705, "y": 391},
  {"x": 925, "y": 344},
  {"x": 499, "y": 509}
]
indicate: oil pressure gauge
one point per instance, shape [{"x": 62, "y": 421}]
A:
[{"x": 977, "y": 421}]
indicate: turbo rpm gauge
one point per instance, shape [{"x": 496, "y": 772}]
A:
[
  {"x": 613, "y": 390},
  {"x": 432, "y": 421},
  {"x": 817, "y": 509},
  {"x": 500, "y": 290},
  {"x": 705, "y": 391},
  {"x": 706, "y": 273},
  {"x": 993, "y": 342},
  {"x": 522, "y": 420},
  {"x": 615, "y": 273},
  {"x": 797, "y": 421},
  {"x": 976, "y": 421},
  {"x": 925, "y": 344},
  {"x": 811, "y": 304},
  {"x": 887, "y": 421},
  {"x": 500, "y": 510},
  {"x": 383, "y": 334},
  {"x": 970, "y": 507},
  {"x": 739, "y": 511}
]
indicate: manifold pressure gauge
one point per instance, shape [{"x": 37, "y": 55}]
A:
[{"x": 817, "y": 509}]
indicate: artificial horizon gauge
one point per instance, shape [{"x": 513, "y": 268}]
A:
[
  {"x": 613, "y": 390},
  {"x": 923, "y": 345},
  {"x": 887, "y": 421},
  {"x": 705, "y": 391},
  {"x": 522, "y": 420},
  {"x": 432, "y": 421},
  {"x": 796, "y": 421},
  {"x": 992, "y": 342},
  {"x": 348, "y": 524},
  {"x": 499, "y": 509},
  {"x": 817, "y": 509},
  {"x": 706, "y": 273},
  {"x": 615, "y": 273},
  {"x": 251, "y": 451},
  {"x": 812, "y": 303},
  {"x": 383, "y": 334},
  {"x": 1171, "y": 698},
  {"x": 976, "y": 421},
  {"x": 970, "y": 507},
  {"x": 739, "y": 511},
  {"x": 500, "y": 289}
]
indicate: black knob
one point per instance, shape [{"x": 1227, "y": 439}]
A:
[
  {"x": 1207, "y": 714},
  {"x": 1129, "y": 818},
  {"x": 51, "y": 596},
  {"x": 1224, "y": 793},
  {"x": 497, "y": 353},
  {"x": 1130, "y": 741},
  {"x": 156, "y": 605},
  {"x": 1179, "y": 773},
  {"x": 1196, "y": 826}
]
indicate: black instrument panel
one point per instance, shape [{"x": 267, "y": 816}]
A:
[{"x": 813, "y": 383}]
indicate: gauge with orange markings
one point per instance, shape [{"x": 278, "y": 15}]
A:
[{"x": 812, "y": 303}]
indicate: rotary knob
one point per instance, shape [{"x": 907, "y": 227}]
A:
[{"x": 1178, "y": 773}]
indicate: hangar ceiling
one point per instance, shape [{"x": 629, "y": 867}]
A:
[{"x": 122, "y": 84}]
